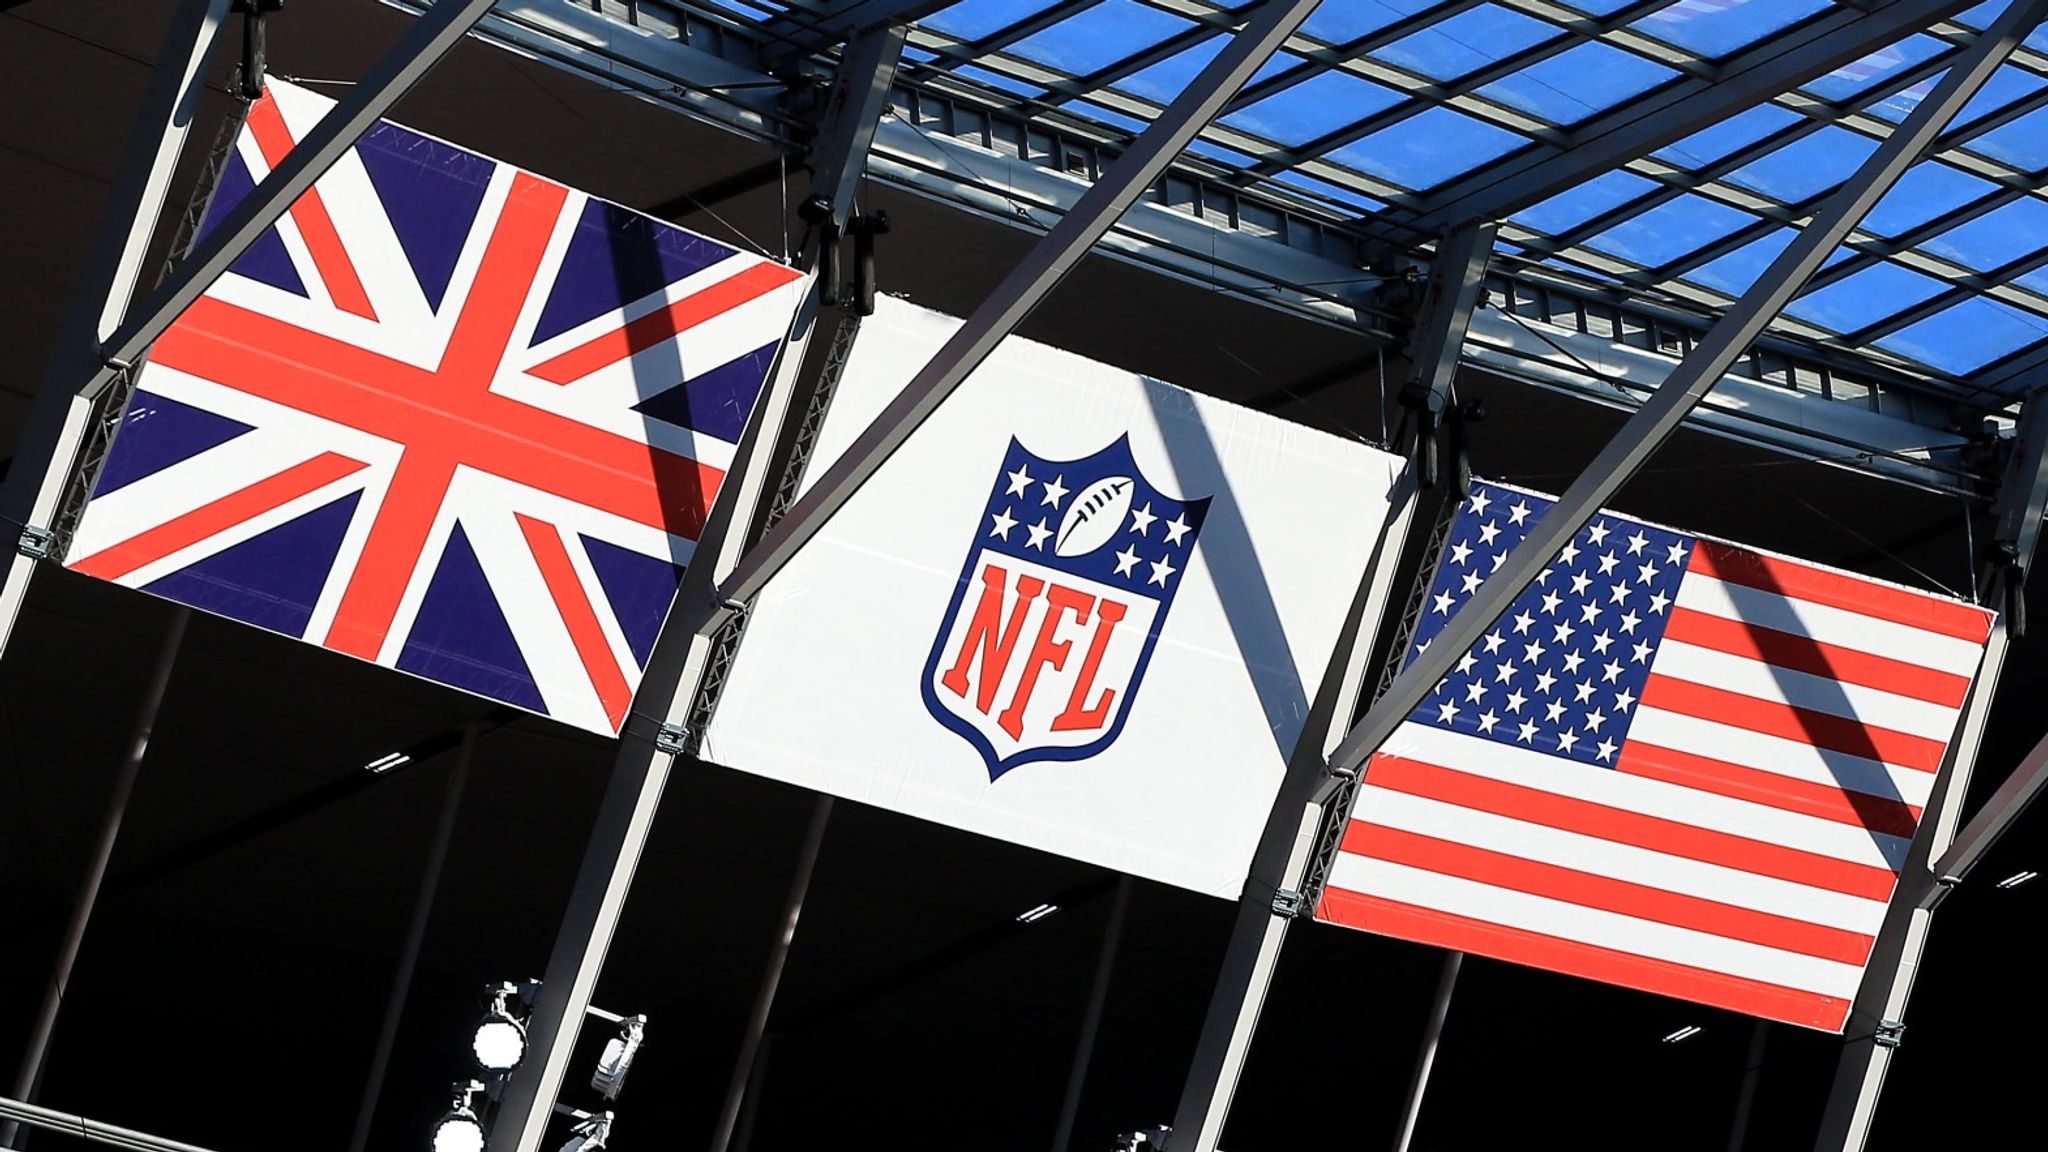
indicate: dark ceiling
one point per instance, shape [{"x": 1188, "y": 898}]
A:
[{"x": 231, "y": 998}]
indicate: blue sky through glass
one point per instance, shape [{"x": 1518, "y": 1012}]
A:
[
  {"x": 1968, "y": 336},
  {"x": 974, "y": 19},
  {"x": 1670, "y": 230},
  {"x": 1996, "y": 238},
  {"x": 1806, "y": 167},
  {"x": 1863, "y": 298},
  {"x": 1569, "y": 209},
  {"x": 1099, "y": 36},
  {"x": 1163, "y": 81},
  {"x": 1715, "y": 28},
  {"x": 1467, "y": 42},
  {"x": 1928, "y": 189},
  {"x": 1313, "y": 108},
  {"x": 1577, "y": 83},
  {"x": 1428, "y": 148},
  {"x": 1342, "y": 21}
]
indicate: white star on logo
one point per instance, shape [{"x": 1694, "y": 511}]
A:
[
  {"x": 1645, "y": 572},
  {"x": 1460, "y": 552},
  {"x": 1516, "y": 700},
  {"x": 1003, "y": 523},
  {"x": 1629, "y": 622},
  {"x": 1572, "y": 660},
  {"x": 1607, "y": 563},
  {"x": 1550, "y": 601},
  {"x": 1441, "y": 602},
  {"x": 1479, "y": 501},
  {"x": 1446, "y": 712},
  {"x": 1562, "y": 631},
  {"x": 1488, "y": 531},
  {"x": 1675, "y": 553},
  {"x": 1055, "y": 491},
  {"x": 1641, "y": 651},
  {"x": 1594, "y": 718},
  {"x": 1566, "y": 739},
  {"x": 1610, "y": 672},
  {"x": 1518, "y": 513},
  {"x": 1142, "y": 518},
  {"x": 1038, "y": 534},
  {"x": 1545, "y": 682},
  {"x": 1176, "y": 528},
  {"x": 1474, "y": 690},
  {"x": 1619, "y": 593},
  {"x": 1470, "y": 582},
  {"x": 1505, "y": 671},
  {"x": 1636, "y": 542},
  {"x": 1126, "y": 560},
  {"x": 1532, "y": 651},
  {"x": 1601, "y": 642},
  {"x": 1552, "y": 711},
  {"x": 1160, "y": 571},
  {"x": 1570, "y": 555},
  {"x": 1581, "y": 692},
  {"x": 1623, "y": 700},
  {"x": 1498, "y": 559},
  {"x": 1487, "y": 720},
  {"x": 1606, "y": 748},
  {"x": 1466, "y": 662},
  {"x": 1522, "y": 622},
  {"x": 1580, "y": 582},
  {"x": 1019, "y": 481},
  {"x": 1659, "y": 602},
  {"x": 1527, "y": 733},
  {"x": 1493, "y": 642},
  {"x": 1598, "y": 534},
  {"x": 1589, "y": 613}
]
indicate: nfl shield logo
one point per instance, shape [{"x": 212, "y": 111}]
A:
[{"x": 1065, "y": 590}]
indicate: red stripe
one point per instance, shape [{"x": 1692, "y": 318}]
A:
[
  {"x": 1805, "y": 654},
  {"x": 1890, "y": 816},
  {"x": 1805, "y": 725},
  {"x": 309, "y": 212},
  {"x": 1591, "y": 890},
  {"x": 270, "y": 492},
  {"x": 1840, "y": 590},
  {"x": 584, "y": 630},
  {"x": 1586, "y": 818},
  {"x": 664, "y": 324},
  {"x": 1463, "y": 934}
]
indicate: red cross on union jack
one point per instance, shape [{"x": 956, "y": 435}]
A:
[{"x": 447, "y": 416}]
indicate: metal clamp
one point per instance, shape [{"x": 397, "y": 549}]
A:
[
  {"x": 36, "y": 543},
  {"x": 1288, "y": 903},
  {"x": 670, "y": 738},
  {"x": 1889, "y": 1033}
]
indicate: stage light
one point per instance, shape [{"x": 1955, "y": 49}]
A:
[
  {"x": 2017, "y": 879},
  {"x": 386, "y": 763},
  {"x": 1033, "y": 915},
  {"x": 590, "y": 1134},
  {"x": 1681, "y": 1035},
  {"x": 500, "y": 1041},
  {"x": 618, "y": 1057},
  {"x": 459, "y": 1130}
]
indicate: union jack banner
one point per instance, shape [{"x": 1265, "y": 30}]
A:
[
  {"x": 447, "y": 416},
  {"x": 1674, "y": 764}
]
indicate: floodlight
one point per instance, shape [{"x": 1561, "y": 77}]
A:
[
  {"x": 2016, "y": 879},
  {"x": 590, "y": 1134},
  {"x": 459, "y": 1130},
  {"x": 618, "y": 1057},
  {"x": 1032, "y": 915},
  {"x": 1681, "y": 1035},
  {"x": 500, "y": 1041}
]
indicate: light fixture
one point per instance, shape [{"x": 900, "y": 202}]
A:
[
  {"x": 1032, "y": 915},
  {"x": 2017, "y": 879},
  {"x": 590, "y": 1133},
  {"x": 1683, "y": 1034},
  {"x": 500, "y": 1041},
  {"x": 386, "y": 763},
  {"x": 617, "y": 1059},
  {"x": 459, "y": 1130}
]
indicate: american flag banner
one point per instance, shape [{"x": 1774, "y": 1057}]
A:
[
  {"x": 447, "y": 416},
  {"x": 1675, "y": 764}
]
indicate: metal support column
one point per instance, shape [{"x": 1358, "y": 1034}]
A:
[
  {"x": 57, "y": 420},
  {"x": 85, "y": 366},
  {"x": 1091, "y": 1016},
  {"x": 28, "y": 1078},
  {"x": 415, "y": 937},
  {"x": 1456, "y": 281},
  {"x": 1696, "y": 374},
  {"x": 1425, "y": 1057},
  {"x": 676, "y": 666},
  {"x": 1745, "y": 1096}
]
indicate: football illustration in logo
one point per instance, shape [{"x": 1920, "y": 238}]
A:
[{"x": 1059, "y": 605}]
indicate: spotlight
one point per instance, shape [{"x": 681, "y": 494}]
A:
[
  {"x": 618, "y": 1057},
  {"x": 590, "y": 1134},
  {"x": 500, "y": 1041},
  {"x": 1681, "y": 1035},
  {"x": 1033, "y": 915},
  {"x": 459, "y": 1130},
  {"x": 2016, "y": 879}
]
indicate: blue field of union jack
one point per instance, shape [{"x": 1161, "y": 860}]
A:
[{"x": 447, "y": 416}]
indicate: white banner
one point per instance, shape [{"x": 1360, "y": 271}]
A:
[{"x": 1079, "y": 610}]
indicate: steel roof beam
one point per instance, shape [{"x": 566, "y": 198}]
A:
[{"x": 814, "y": 25}]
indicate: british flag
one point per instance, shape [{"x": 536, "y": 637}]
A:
[{"x": 447, "y": 416}]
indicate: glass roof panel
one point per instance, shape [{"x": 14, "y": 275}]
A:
[
  {"x": 1342, "y": 21},
  {"x": 1996, "y": 238},
  {"x": 2035, "y": 281},
  {"x": 996, "y": 80},
  {"x": 1101, "y": 115},
  {"x": 1806, "y": 167},
  {"x": 1575, "y": 84},
  {"x": 1662, "y": 234},
  {"x": 1163, "y": 81},
  {"x": 1928, "y": 189},
  {"x": 1331, "y": 191},
  {"x": 1600, "y": 7},
  {"x": 1968, "y": 336},
  {"x": 974, "y": 19},
  {"x": 1314, "y": 108},
  {"x": 1219, "y": 153},
  {"x": 2005, "y": 86},
  {"x": 1736, "y": 271},
  {"x": 1100, "y": 35},
  {"x": 1428, "y": 148},
  {"x": 1854, "y": 77},
  {"x": 1717, "y": 27},
  {"x": 1731, "y": 135},
  {"x": 2022, "y": 143},
  {"x": 1863, "y": 298},
  {"x": 1467, "y": 42},
  {"x": 1574, "y": 207}
]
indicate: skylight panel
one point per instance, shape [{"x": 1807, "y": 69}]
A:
[
  {"x": 1314, "y": 108},
  {"x": 1365, "y": 205},
  {"x": 1727, "y": 136},
  {"x": 1734, "y": 272},
  {"x": 1660, "y": 235},
  {"x": 1806, "y": 167},
  {"x": 1576, "y": 84},
  {"x": 1575, "y": 206},
  {"x": 1995, "y": 239},
  {"x": 1100, "y": 35},
  {"x": 974, "y": 19},
  {"x": 1863, "y": 298},
  {"x": 1163, "y": 81},
  {"x": 2022, "y": 143},
  {"x": 1102, "y": 115},
  {"x": 1467, "y": 42},
  {"x": 1968, "y": 336},
  {"x": 1857, "y": 75},
  {"x": 2005, "y": 86},
  {"x": 1927, "y": 190},
  {"x": 1715, "y": 28},
  {"x": 1217, "y": 152},
  {"x": 1342, "y": 21},
  {"x": 1428, "y": 148},
  {"x": 997, "y": 80}
]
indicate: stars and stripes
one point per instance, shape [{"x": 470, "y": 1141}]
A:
[
  {"x": 1674, "y": 764},
  {"x": 446, "y": 416}
]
